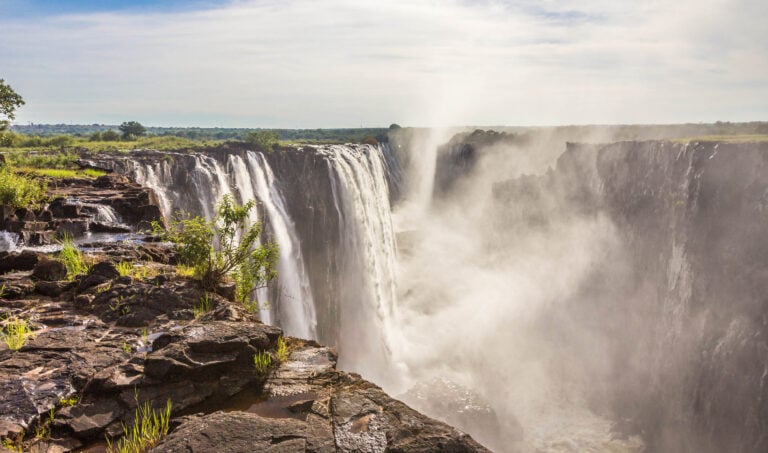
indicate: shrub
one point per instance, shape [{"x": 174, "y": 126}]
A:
[
  {"x": 215, "y": 250},
  {"x": 20, "y": 191},
  {"x": 148, "y": 428}
]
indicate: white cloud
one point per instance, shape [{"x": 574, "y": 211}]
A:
[{"x": 304, "y": 63}]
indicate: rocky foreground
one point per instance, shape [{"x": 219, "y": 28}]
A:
[{"x": 119, "y": 336}]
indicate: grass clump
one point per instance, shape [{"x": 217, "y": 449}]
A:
[
  {"x": 205, "y": 305},
  {"x": 282, "y": 349},
  {"x": 20, "y": 191},
  {"x": 124, "y": 268},
  {"x": 15, "y": 333},
  {"x": 70, "y": 401},
  {"x": 185, "y": 271},
  {"x": 149, "y": 427},
  {"x": 73, "y": 258},
  {"x": 262, "y": 361}
]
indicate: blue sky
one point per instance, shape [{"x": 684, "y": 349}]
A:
[
  {"x": 341, "y": 63},
  {"x": 42, "y": 8}
]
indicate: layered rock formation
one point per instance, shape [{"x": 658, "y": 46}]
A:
[
  {"x": 103, "y": 344},
  {"x": 108, "y": 204}
]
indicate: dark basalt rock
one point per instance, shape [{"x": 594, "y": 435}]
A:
[
  {"x": 242, "y": 432},
  {"x": 49, "y": 270},
  {"x": 15, "y": 261}
]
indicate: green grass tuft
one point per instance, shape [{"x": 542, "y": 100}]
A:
[
  {"x": 282, "y": 349},
  {"x": 205, "y": 305},
  {"x": 262, "y": 361},
  {"x": 124, "y": 268},
  {"x": 16, "y": 332},
  {"x": 70, "y": 401},
  {"x": 72, "y": 258},
  {"x": 149, "y": 427}
]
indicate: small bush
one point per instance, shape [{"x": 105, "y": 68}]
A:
[
  {"x": 213, "y": 250},
  {"x": 15, "y": 333},
  {"x": 20, "y": 191},
  {"x": 72, "y": 258},
  {"x": 148, "y": 428}
]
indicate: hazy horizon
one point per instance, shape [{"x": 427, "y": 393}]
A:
[{"x": 337, "y": 63}]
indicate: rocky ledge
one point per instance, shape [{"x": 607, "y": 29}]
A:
[
  {"x": 104, "y": 344},
  {"x": 107, "y": 204}
]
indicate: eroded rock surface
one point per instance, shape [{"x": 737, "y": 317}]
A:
[{"x": 105, "y": 343}]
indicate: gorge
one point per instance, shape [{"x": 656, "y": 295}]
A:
[
  {"x": 594, "y": 299},
  {"x": 536, "y": 293}
]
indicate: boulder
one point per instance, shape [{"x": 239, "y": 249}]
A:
[
  {"x": 104, "y": 227},
  {"x": 50, "y": 288},
  {"x": 15, "y": 261},
  {"x": 71, "y": 228},
  {"x": 49, "y": 270},
  {"x": 99, "y": 273},
  {"x": 110, "y": 181}
]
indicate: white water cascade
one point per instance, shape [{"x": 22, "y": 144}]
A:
[
  {"x": 295, "y": 303},
  {"x": 368, "y": 290},
  {"x": 204, "y": 184}
]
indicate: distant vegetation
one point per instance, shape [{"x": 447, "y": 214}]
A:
[{"x": 95, "y": 132}]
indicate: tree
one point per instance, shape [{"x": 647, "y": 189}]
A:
[
  {"x": 9, "y": 102},
  {"x": 131, "y": 129},
  {"x": 265, "y": 140}
]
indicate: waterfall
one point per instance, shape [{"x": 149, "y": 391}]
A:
[
  {"x": 197, "y": 183},
  {"x": 104, "y": 213},
  {"x": 8, "y": 241},
  {"x": 361, "y": 199},
  {"x": 294, "y": 296}
]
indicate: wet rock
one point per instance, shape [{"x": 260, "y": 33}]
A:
[
  {"x": 17, "y": 285},
  {"x": 36, "y": 238},
  {"x": 240, "y": 432},
  {"x": 45, "y": 216},
  {"x": 463, "y": 408},
  {"x": 14, "y": 261},
  {"x": 99, "y": 273},
  {"x": 104, "y": 227},
  {"x": 110, "y": 181},
  {"x": 49, "y": 270},
  {"x": 71, "y": 228},
  {"x": 51, "y": 289}
]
